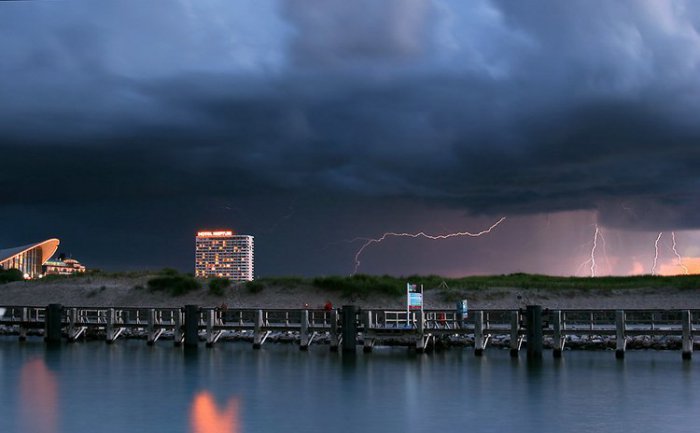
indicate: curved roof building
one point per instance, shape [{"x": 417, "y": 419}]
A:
[{"x": 28, "y": 258}]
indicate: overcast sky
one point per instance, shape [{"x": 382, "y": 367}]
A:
[{"x": 127, "y": 125}]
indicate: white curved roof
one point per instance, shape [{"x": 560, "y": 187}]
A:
[{"x": 48, "y": 249}]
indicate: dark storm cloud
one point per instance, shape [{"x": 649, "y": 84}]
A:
[
  {"x": 341, "y": 33},
  {"x": 517, "y": 111}
]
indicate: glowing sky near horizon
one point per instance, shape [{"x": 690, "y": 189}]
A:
[{"x": 555, "y": 244}]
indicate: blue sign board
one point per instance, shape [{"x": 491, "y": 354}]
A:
[
  {"x": 462, "y": 307},
  {"x": 414, "y": 296}
]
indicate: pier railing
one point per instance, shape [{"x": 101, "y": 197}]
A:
[{"x": 367, "y": 327}]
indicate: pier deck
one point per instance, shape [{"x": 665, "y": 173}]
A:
[{"x": 422, "y": 329}]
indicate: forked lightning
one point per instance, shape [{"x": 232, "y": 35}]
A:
[{"x": 370, "y": 241}]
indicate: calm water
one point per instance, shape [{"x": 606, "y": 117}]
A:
[{"x": 128, "y": 386}]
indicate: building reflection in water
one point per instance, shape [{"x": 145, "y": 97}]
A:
[
  {"x": 206, "y": 417},
  {"x": 38, "y": 398}
]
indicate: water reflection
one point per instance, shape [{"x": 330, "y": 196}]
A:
[
  {"x": 38, "y": 398},
  {"x": 207, "y": 418}
]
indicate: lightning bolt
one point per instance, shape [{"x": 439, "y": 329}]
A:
[
  {"x": 678, "y": 256},
  {"x": 605, "y": 252},
  {"x": 656, "y": 253},
  {"x": 591, "y": 261},
  {"x": 595, "y": 245},
  {"x": 370, "y": 241}
]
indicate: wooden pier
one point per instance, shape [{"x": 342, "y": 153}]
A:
[{"x": 350, "y": 327}]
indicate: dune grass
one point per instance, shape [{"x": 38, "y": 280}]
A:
[
  {"x": 364, "y": 285},
  {"x": 172, "y": 282},
  {"x": 361, "y": 285},
  {"x": 218, "y": 286}
]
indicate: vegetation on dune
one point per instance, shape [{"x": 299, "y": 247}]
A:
[
  {"x": 96, "y": 273},
  {"x": 458, "y": 288},
  {"x": 535, "y": 281},
  {"x": 362, "y": 285},
  {"x": 118, "y": 274},
  {"x": 286, "y": 281},
  {"x": 254, "y": 286},
  {"x": 218, "y": 286},
  {"x": 172, "y": 282},
  {"x": 10, "y": 275}
]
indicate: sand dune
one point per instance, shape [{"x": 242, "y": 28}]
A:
[{"x": 125, "y": 291}]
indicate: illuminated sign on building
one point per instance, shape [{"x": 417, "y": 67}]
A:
[{"x": 215, "y": 234}]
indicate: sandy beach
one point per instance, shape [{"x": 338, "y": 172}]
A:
[{"x": 132, "y": 291}]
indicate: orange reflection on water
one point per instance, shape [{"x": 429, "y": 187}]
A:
[
  {"x": 38, "y": 398},
  {"x": 207, "y": 418}
]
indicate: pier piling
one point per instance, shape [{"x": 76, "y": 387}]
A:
[
  {"x": 349, "y": 328},
  {"x": 151, "y": 326},
  {"x": 335, "y": 338},
  {"x": 191, "y": 325},
  {"x": 687, "y": 325},
  {"x": 620, "y": 339},
  {"x": 557, "y": 340},
  {"x": 367, "y": 338},
  {"x": 535, "y": 340},
  {"x": 109, "y": 327},
  {"x": 177, "y": 325},
  {"x": 54, "y": 313},
  {"x": 73, "y": 331},
  {"x": 515, "y": 339},
  {"x": 212, "y": 335},
  {"x": 420, "y": 336},
  {"x": 304, "y": 339},
  {"x": 259, "y": 336},
  {"x": 23, "y": 324},
  {"x": 479, "y": 340}
]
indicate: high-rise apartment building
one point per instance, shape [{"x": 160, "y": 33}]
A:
[{"x": 223, "y": 254}]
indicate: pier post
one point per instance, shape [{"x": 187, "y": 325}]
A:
[
  {"x": 52, "y": 323},
  {"x": 72, "y": 320},
  {"x": 535, "y": 340},
  {"x": 687, "y": 325},
  {"x": 109, "y": 328},
  {"x": 304, "y": 331},
  {"x": 191, "y": 325},
  {"x": 557, "y": 340},
  {"x": 620, "y": 340},
  {"x": 23, "y": 324},
  {"x": 420, "y": 335},
  {"x": 258, "y": 337},
  {"x": 368, "y": 340},
  {"x": 335, "y": 340},
  {"x": 349, "y": 328},
  {"x": 479, "y": 341},
  {"x": 151, "y": 326},
  {"x": 211, "y": 318},
  {"x": 514, "y": 334},
  {"x": 177, "y": 324}
]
